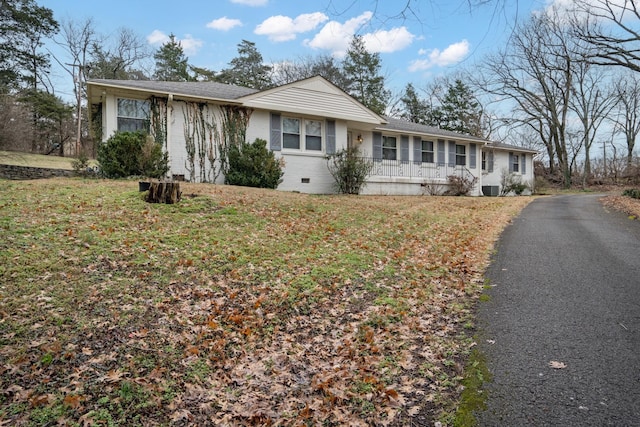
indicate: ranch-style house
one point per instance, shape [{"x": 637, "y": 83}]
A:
[{"x": 303, "y": 122}]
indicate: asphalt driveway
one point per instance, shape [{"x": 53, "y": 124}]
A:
[{"x": 562, "y": 328}]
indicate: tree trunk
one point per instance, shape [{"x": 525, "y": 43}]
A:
[{"x": 164, "y": 192}]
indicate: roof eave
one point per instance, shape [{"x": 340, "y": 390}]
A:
[
  {"x": 161, "y": 93},
  {"x": 433, "y": 135}
]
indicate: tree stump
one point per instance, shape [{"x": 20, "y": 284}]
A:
[{"x": 164, "y": 192}]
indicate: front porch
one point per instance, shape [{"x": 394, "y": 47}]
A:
[{"x": 413, "y": 178}]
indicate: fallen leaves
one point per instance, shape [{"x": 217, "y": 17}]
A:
[
  {"x": 625, "y": 204},
  {"x": 236, "y": 306},
  {"x": 554, "y": 364}
]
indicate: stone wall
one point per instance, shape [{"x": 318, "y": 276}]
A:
[{"x": 27, "y": 172}]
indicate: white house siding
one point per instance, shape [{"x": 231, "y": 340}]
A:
[
  {"x": 501, "y": 167},
  {"x": 408, "y": 177},
  {"x": 313, "y": 99},
  {"x": 258, "y": 126},
  {"x": 393, "y": 186},
  {"x": 177, "y": 147},
  {"x": 306, "y": 174},
  {"x": 110, "y": 109}
]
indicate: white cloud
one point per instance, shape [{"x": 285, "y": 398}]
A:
[
  {"x": 336, "y": 37},
  {"x": 157, "y": 37},
  {"x": 437, "y": 58},
  {"x": 251, "y": 2},
  {"x": 281, "y": 28},
  {"x": 224, "y": 24},
  {"x": 388, "y": 41},
  {"x": 189, "y": 45}
]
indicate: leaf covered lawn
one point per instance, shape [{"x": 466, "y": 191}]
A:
[{"x": 236, "y": 306}]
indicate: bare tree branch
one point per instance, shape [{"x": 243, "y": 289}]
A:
[{"x": 606, "y": 26}]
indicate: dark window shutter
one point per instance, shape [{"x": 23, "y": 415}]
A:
[
  {"x": 377, "y": 146},
  {"x": 523, "y": 161},
  {"x": 331, "y": 136},
  {"x": 452, "y": 153},
  {"x": 472, "y": 156},
  {"x": 441, "y": 160},
  {"x": 417, "y": 150},
  {"x": 490, "y": 166},
  {"x": 276, "y": 133},
  {"x": 404, "y": 148},
  {"x": 510, "y": 162}
]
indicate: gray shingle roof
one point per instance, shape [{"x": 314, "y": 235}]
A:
[
  {"x": 502, "y": 146},
  {"x": 399, "y": 125},
  {"x": 209, "y": 90},
  {"x": 415, "y": 128}
]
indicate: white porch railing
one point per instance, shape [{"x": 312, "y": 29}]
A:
[{"x": 411, "y": 169}]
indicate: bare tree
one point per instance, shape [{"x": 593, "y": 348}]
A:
[
  {"x": 592, "y": 102},
  {"x": 535, "y": 73},
  {"x": 627, "y": 113},
  {"x": 77, "y": 38},
  {"x": 408, "y": 9},
  {"x": 304, "y": 67},
  {"x": 609, "y": 27},
  {"x": 120, "y": 57}
]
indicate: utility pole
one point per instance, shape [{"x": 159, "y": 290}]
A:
[
  {"x": 604, "y": 157},
  {"x": 77, "y": 80}
]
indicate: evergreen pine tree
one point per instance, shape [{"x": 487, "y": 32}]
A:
[
  {"x": 247, "y": 69},
  {"x": 362, "y": 69},
  {"x": 461, "y": 111},
  {"x": 171, "y": 62}
]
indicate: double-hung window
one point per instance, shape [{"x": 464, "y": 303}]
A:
[
  {"x": 313, "y": 135},
  {"x": 427, "y": 151},
  {"x": 133, "y": 115},
  {"x": 299, "y": 134},
  {"x": 461, "y": 155},
  {"x": 516, "y": 163},
  {"x": 484, "y": 160},
  {"x": 389, "y": 148},
  {"x": 291, "y": 133}
]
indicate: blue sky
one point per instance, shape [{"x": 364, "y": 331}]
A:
[{"x": 442, "y": 35}]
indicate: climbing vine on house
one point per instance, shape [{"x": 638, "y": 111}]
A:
[
  {"x": 234, "y": 120},
  {"x": 198, "y": 125},
  {"x": 208, "y": 137},
  {"x": 158, "y": 125}
]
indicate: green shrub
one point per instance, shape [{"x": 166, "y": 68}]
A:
[
  {"x": 632, "y": 192},
  {"x": 132, "y": 154},
  {"x": 349, "y": 170},
  {"x": 253, "y": 165}
]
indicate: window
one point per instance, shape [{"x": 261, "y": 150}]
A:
[
  {"x": 133, "y": 115},
  {"x": 389, "y": 148},
  {"x": 516, "y": 163},
  {"x": 484, "y": 160},
  {"x": 293, "y": 133},
  {"x": 313, "y": 137},
  {"x": 461, "y": 155},
  {"x": 427, "y": 151}
]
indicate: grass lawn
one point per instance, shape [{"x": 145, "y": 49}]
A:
[
  {"x": 236, "y": 306},
  {"x": 17, "y": 158}
]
